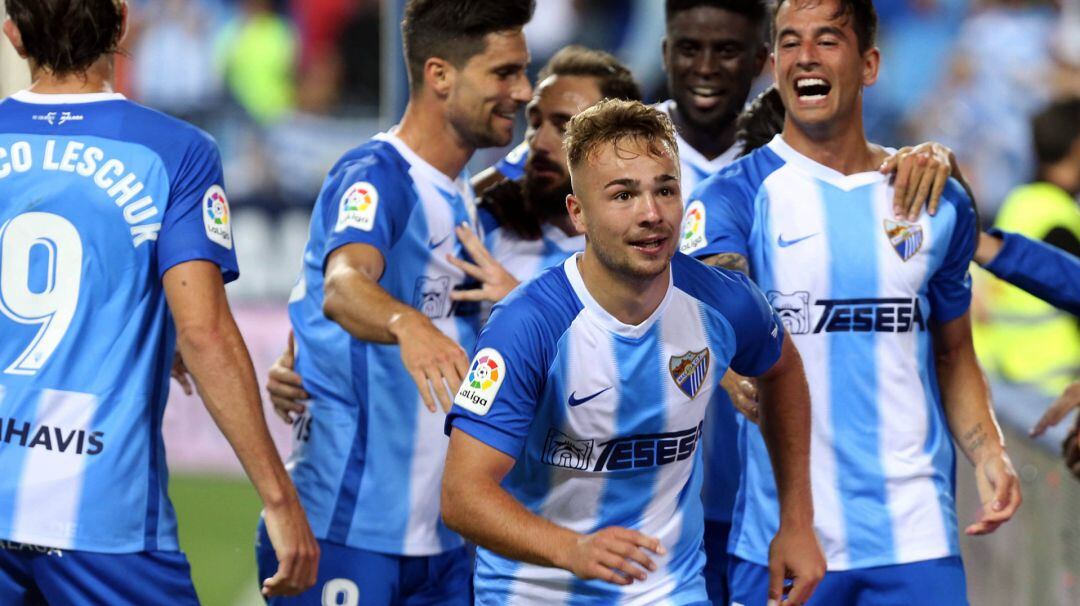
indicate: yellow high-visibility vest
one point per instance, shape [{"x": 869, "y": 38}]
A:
[{"x": 1027, "y": 340}]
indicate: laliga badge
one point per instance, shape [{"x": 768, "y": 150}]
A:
[
  {"x": 358, "y": 206},
  {"x": 486, "y": 375}
]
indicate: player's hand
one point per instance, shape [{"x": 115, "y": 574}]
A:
[
  {"x": 743, "y": 393},
  {"x": 999, "y": 492},
  {"x": 495, "y": 281},
  {"x": 296, "y": 550},
  {"x": 285, "y": 386},
  {"x": 795, "y": 554},
  {"x": 1060, "y": 409},
  {"x": 180, "y": 372},
  {"x": 434, "y": 361},
  {"x": 613, "y": 554},
  {"x": 1070, "y": 450},
  {"x": 921, "y": 175}
]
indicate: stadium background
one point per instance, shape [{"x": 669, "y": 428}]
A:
[{"x": 286, "y": 86}]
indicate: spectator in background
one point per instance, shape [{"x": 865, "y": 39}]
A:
[
  {"x": 258, "y": 52},
  {"x": 1027, "y": 340},
  {"x": 999, "y": 76},
  {"x": 174, "y": 60}
]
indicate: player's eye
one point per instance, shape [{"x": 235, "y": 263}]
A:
[{"x": 623, "y": 196}]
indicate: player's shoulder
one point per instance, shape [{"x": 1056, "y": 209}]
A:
[
  {"x": 376, "y": 157},
  {"x": 717, "y": 287},
  {"x": 956, "y": 201},
  {"x": 741, "y": 179},
  {"x": 546, "y": 303}
]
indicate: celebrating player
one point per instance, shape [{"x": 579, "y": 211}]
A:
[
  {"x": 379, "y": 340},
  {"x": 115, "y": 244},
  {"x": 526, "y": 227},
  {"x": 878, "y": 306},
  {"x": 574, "y": 436}
]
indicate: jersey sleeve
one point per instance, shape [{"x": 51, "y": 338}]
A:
[
  {"x": 368, "y": 201},
  {"x": 717, "y": 220},
  {"x": 950, "y": 286},
  {"x": 1050, "y": 274},
  {"x": 497, "y": 400},
  {"x": 513, "y": 165},
  {"x": 759, "y": 333},
  {"x": 197, "y": 222}
]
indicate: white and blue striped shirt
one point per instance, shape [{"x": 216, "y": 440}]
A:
[{"x": 858, "y": 291}]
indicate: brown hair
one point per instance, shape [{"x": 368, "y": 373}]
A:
[
  {"x": 614, "y": 120},
  {"x": 612, "y": 77}
]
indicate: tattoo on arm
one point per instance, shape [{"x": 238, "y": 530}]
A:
[
  {"x": 732, "y": 261},
  {"x": 975, "y": 438}
]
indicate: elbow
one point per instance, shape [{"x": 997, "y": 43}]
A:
[
  {"x": 334, "y": 298},
  {"x": 200, "y": 338}
]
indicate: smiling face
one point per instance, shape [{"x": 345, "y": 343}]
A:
[
  {"x": 489, "y": 89},
  {"x": 712, "y": 57},
  {"x": 557, "y": 99},
  {"x": 818, "y": 67},
  {"x": 627, "y": 201}
]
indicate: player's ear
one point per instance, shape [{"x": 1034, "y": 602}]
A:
[
  {"x": 664, "y": 53},
  {"x": 871, "y": 64},
  {"x": 573, "y": 208},
  {"x": 439, "y": 75},
  {"x": 14, "y": 36},
  {"x": 123, "y": 22}
]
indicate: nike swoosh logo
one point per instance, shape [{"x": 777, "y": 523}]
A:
[
  {"x": 572, "y": 401},
  {"x": 786, "y": 243},
  {"x": 433, "y": 244}
]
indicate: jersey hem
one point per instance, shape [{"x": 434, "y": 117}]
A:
[
  {"x": 875, "y": 562},
  {"x": 394, "y": 548},
  {"x": 169, "y": 545}
]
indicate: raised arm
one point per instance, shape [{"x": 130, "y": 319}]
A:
[
  {"x": 354, "y": 299},
  {"x": 785, "y": 425},
  {"x": 215, "y": 355},
  {"x": 971, "y": 419},
  {"x": 475, "y": 505}
]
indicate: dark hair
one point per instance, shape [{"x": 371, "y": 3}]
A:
[
  {"x": 754, "y": 10},
  {"x": 760, "y": 121},
  {"x": 67, "y": 36},
  {"x": 454, "y": 30},
  {"x": 614, "y": 120},
  {"x": 863, "y": 19},
  {"x": 613, "y": 78},
  {"x": 1055, "y": 130}
]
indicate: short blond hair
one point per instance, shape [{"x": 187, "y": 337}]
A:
[{"x": 614, "y": 120}]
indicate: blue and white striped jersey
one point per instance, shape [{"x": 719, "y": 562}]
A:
[
  {"x": 525, "y": 259},
  {"x": 99, "y": 197},
  {"x": 858, "y": 291},
  {"x": 520, "y": 257},
  {"x": 604, "y": 418},
  {"x": 368, "y": 460}
]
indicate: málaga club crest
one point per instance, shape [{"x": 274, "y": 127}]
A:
[
  {"x": 689, "y": 371},
  {"x": 906, "y": 238}
]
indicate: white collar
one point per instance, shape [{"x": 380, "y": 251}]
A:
[
  {"x": 601, "y": 315},
  {"x": 440, "y": 178},
  {"x": 820, "y": 171},
  {"x": 25, "y": 96}
]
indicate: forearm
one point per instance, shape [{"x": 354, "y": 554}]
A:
[
  {"x": 1038, "y": 268},
  {"x": 785, "y": 425},
  {"x": 967, "y": 407},
  {"x": 481, "y": 511},
  {"x": 364, "y": 309},
  {"x": 218, "y": 360}
]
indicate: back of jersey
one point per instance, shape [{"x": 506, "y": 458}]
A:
[{"x": 98, "y": 198}]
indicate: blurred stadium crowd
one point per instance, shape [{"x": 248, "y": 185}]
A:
[{"x": 286, "y": 86}]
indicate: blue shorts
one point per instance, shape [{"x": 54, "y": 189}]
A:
[
  {"x": 356, "y": 577},
  {"x": 30, "y": 576},
  {"x": 938, "y": 582},
  {"x": 716, "y": 562}
]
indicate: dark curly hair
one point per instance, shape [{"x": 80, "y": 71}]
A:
[
  {"x": 760, "y": 121},
  {"x": 67, "y": 36}
]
